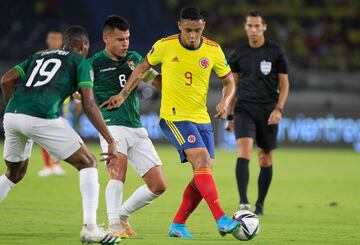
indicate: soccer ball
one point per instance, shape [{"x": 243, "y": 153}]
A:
[{"x": 249, "y": 225}]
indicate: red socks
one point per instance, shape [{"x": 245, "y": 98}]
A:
[
  {"x": 191, "y": 199},
  {"x": 47, "y": 158},
  {"x": 207, "y": 188}
]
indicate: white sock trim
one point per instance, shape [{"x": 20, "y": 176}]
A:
[
  {"x": 9, "y": 182},
  {"x": 5, "y": 187}
]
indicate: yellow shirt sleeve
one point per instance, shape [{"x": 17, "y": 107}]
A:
[
  {"x": 156, "y": 53},
  {"x": 221, "y": 66}
]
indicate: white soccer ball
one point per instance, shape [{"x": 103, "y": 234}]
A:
[{"x": 250, "y": 225}]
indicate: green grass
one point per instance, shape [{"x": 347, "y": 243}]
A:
[{"x": 298, "y": 211}]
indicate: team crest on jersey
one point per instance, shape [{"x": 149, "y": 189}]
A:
[
  {"x": 265, "y": 67},
  {"x": 191, "y": 138},
  {"x": 204, "y": 63},
  {"x": 131, "y": 65}
]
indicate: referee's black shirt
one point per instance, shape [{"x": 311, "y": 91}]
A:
[{"x": 258, "y": 70}]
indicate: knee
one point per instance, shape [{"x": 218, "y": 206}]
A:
[
  {"x": 89, "y": 161},
  {"x": 16, "y": 177},
  {"x": 118, "y": 171},
  {"x": 159, "y": 188},
  {"x": 202, "y": 161},
  {"x": 244, "y": 151},
  {"x": 265, "y": 159}
]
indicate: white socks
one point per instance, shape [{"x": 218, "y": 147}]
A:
[
  {"x": 89, "y": 188},
  {"x": 113, "y": 196},
  {"x": 5, "y": 186},
  {"x": 141, "y": 197}
]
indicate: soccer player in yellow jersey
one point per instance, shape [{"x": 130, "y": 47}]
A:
[{"x": 187, "y": 60}]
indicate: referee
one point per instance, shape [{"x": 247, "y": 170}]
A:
[{"x": 260, "y": 70}]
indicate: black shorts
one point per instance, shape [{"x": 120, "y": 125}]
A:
[{"x": 252, "y": 122}]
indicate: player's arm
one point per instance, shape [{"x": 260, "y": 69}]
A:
[
  {"x": 227, "y": 95},
  {"x": 93, "y": 113},
  {"x": 229, "y": 126},
  {"x": 76, "y": 96},
  {"x": 85, "y": 78},
  {"x": 134, "y": 80},
  {"x": 153, "y": 77},
  {"x": 157, "y": 82},
  {"x": 8, "y": 84},
  {"x": 276, "y": 114}
]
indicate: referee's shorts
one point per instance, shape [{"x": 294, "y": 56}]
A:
[{"x": 255, "y": 125}]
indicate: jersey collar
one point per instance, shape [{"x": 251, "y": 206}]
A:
[
  {"x": 106, "y": 55},
  {"x": 266, "y": 42},
  {"x": 189, "y": 48}
]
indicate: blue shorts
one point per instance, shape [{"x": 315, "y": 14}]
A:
[{"x": 186, "y": 135}]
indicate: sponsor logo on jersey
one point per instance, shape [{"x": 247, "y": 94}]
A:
[
  {"x": 204, "y": 63},
  {"x": 175, "y": 59},
  {"x": 191, "y": 138},
  {"x": 265, "y": 67},
  {"x": 108, "y": 69},
  {"x": 131, "y": 64}
]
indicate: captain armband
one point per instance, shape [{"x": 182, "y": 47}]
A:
[{"x": 150, "y": 75}]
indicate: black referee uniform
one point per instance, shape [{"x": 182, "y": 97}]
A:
[
  {"x": 257, "y": 95},
  {"x": 257, "y": 92}
]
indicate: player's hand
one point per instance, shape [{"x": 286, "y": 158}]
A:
[
  {"x": 110, "y": 157},
  {"x": 274, "y": 117},
  {"x": 76, "y": 96},
  {"x": 221, "y": 110},
  {"x": 229, "y": 126},
  {"x": 113, "y": 102}
]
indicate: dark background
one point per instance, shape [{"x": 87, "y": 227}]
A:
[{"x": 321, "y": 38}]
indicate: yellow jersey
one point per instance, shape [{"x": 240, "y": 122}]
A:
[
  {"x": 185, "y": 77},
  {"x": 66, "y": 107}
]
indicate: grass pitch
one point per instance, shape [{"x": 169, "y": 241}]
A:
[{"x": 314, "y": 199}]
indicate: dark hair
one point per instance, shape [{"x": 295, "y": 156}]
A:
[
  {"x": 56, "y": 28},
  {"x": 116, "y": 22},
  {"x": 191, "y": 13},
  {"x": 255, "y": 13},
  {"x": 74, "y": 35}
]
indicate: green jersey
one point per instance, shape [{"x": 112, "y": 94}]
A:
[
  {"x": 110, "y": 77},
  {"x": 47, "y": 79}
]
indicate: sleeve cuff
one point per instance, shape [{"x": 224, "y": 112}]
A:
[
  {"x": 20, "y": 70},
  {"x": 227, "y": 74},
  {"x": 85, "y": 84}
]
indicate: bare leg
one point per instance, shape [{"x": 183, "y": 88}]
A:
[{"x": 15, "y": 173}]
